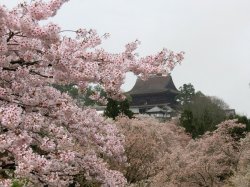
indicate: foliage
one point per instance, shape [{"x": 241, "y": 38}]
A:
[
  {"x": 85, "y": 97},
  {"x": 70, "y": 89},
  {"x": 112, "y": 109},
  {"x": 219, "y": 102},
  {"x": 242, "y": 119},
  {"x": 115, "y": 108},
  {"x": 18, "y": 183},
  {"x": 186, "y": 94},
  {"x": 200, "y": 114},
  {"x": 44, "y": 136}
]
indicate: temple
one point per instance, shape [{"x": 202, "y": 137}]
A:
[{"x": 155, "y": 96}]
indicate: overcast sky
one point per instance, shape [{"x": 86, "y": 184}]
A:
[{"x": 215, "y": 34}]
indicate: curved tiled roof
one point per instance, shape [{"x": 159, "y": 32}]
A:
[{"x": 155, "y": 84}]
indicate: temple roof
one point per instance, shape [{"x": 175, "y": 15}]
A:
[{"x": 154, "y": 84}]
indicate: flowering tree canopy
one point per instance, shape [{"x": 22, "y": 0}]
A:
[
  {"x": 148, "y": 143},
  {"x": 44, "y": 136},
  {"x": 207, "y": 161}
]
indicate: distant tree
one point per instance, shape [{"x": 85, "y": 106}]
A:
[
  {"x": 124, "y": 108},
  {"x": 242, "y": 119},
  {"x": 219, "y": 102},
  {"x": 115, "y": 108},
  {"x": 88, "y": 101},
  {"x": 200, "y": 114},
  {"x": 82, "y": 97},
  {"x": 186, "y": 94},
  {"x": 187, "y": 120},
  {"x": 112, "y": 109},
  {"x": 70, "y": 89}
]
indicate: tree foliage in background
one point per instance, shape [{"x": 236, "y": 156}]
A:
[
  {"x": 115, "y": 108},
  {"x": 219, "y": 102},
  {"x": 199, "y": 113},
  {"x": 242, "y": 119},
  {"x": 83, "y": 98},
  {"x": 186, "y": 94}
]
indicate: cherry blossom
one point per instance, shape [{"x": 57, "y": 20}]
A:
[{"x": 46, "y": 137}]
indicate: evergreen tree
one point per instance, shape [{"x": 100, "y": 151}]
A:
[
  {"x": 199, "y": 113},
  {"x": 124, "y": 108},
  {"x": 112, "y": 110},
  {"x": 115, "y": 108},
  {"x": 186, "y": 94}
]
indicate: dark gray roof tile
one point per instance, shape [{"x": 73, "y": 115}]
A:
[{"x": 155, "y": 84}]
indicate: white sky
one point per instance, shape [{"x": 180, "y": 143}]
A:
[{"x": 215, "y": 34}]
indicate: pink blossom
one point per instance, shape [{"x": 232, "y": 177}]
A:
[
  {"x": 48, "y": 139},
  {"x": 11, "y": 116}
]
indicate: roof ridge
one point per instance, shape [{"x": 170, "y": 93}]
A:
[{"x": 154, "y": 84}]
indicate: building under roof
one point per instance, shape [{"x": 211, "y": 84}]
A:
[{"x": 158, "y": 91}]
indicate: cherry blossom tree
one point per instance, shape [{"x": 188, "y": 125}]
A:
[
  {"x": 207, "y": 161},
  {"x": 148, "y": 142},
  {"x": 241, "y": 177},
  {"x": 45, "y": 138}
]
